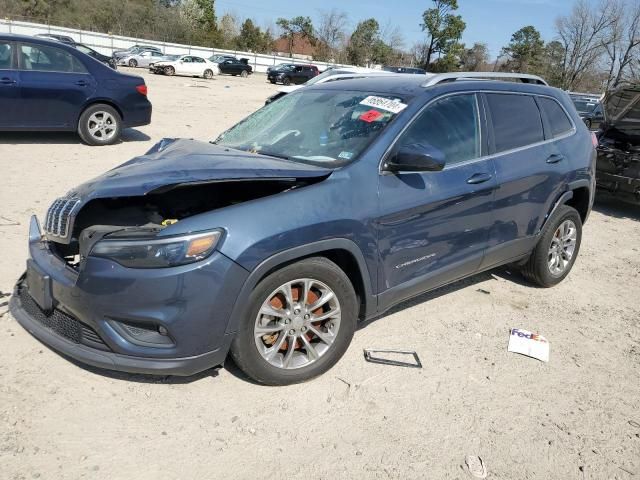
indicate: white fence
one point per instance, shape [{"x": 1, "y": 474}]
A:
[{"x": 106, "y": 44}]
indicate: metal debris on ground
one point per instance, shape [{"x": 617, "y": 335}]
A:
[
  {"x": 529, "y": 344},
  {"x": 370, "y": 356},
  {"x": 476, "y": 466},
  {"x": 482, "y": 290}
]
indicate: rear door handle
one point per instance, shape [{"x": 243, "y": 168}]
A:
[
  {"x": 7, "y": 81},
  {"x": 555, "y": 158},
  {"x": 479, "y": 178}
]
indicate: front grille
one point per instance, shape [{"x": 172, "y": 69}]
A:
[
  {"x": 58, "y": 220},
  {"x": 61, "y": 323}
]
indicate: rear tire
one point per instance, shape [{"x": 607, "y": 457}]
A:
[
  {"x": 297, "y": 353},
  {"x": 100, "y": 124},
  {"x": 208, "y": 74},
  {"x": 244, "y": 74},
  {"x": 557, "y": 250},
  {"x": 133, "y": 63}
]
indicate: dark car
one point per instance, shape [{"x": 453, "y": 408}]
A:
[
  {"x": 413, "y": 70},
  {"x": 235, "y": 67},
  {"x": 317, "y": 212},
  {"x": 590, "y": 110},
  {"x": 280, "y": 66},
  {"x": 47, "y": 85},
  {"x": 60, "y": 38},
  {"x": 107, "y": 60},
  {"x": 295, "y": 74},
  {"x": 618, "y": 167}
]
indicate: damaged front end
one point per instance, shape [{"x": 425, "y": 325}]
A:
[
  {"x": 132, "y": 204},
  {"x": 618, "y": 164}
]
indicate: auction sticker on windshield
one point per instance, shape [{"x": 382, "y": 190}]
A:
[{"x": 393, "y": 106}]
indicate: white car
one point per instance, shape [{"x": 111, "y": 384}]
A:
[
  {"x": 331, "y": 75},
  {"x": 188, "y": 65},
  {"x": 142, "y": 59}
]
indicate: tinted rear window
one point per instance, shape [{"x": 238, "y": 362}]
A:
[
  {"x": 516, "y": 121},
  {"x": 560, "y": 123}
]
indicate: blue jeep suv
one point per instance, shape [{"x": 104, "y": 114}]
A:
[
  {"x": 48, "y": 85},
  {"x": 320, "y": 210}
]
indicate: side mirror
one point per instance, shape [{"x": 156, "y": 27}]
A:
[{"x": 416, "y": 157}]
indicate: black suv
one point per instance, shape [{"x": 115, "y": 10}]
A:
[
  {"x": 295, "y": 74},
  {"x": 233, "y": 66}
]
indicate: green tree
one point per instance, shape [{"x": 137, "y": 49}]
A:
[
  {"x": 444, "y": 29},
  {"x": 253, "y": 38},
  {"x": 476, "y": 58},
  {"x": 296, "y": 27},
  {"x": 525, "y": 52},
  {"x": 363, "y": 42}
]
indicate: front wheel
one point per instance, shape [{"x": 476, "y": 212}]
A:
[
  {"x": 301, "y": 320},
  {"x": 286, "y": 81},
  {"x": 133, "y": 63},
  {"x": 169, "y": 71},
  {"x": 100, "y": 125},
  {"x": 557, "y": 249}
]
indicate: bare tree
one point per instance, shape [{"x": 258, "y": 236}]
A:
[
  {"x": 584, "y": 35},
  {"x": 331, "y": 34},
  {"x": 623, "y": 43}
]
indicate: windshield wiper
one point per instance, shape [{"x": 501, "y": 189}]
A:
[{"x": 276, "y": 155}]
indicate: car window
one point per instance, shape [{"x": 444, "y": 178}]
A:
[
  {"x": 198, "y": 60},
  {"x": 451, "y": 125},
  {"x": 560, "y": 123},
  {"x": 49, "y": 59},
  {"x": 516, "y": 121},
  {"x": 5, "y": 55}
]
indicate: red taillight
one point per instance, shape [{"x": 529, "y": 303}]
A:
[
  {"x": 142, "y": 89},
  {"x": 594, "y": 140}
]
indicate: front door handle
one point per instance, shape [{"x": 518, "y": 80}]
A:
[
  {"x": 555, "y": 158},
  {"x": 7, "y": 81},
  {"x": 479, "y": 178},
  {"x": 82, "y": 83}
]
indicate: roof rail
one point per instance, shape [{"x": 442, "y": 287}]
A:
[{"x": 452, "y": 76}]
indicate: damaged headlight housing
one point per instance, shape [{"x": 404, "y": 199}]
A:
[{"x": 158, "y": 253}]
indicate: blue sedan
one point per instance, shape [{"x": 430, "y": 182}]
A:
[{"x": 48, "y": 86}]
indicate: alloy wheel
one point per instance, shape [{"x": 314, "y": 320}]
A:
[
  {"x": 297, "y": 323},
  {"x": 102, "y": 126},
  {"x": 562, "y": 248}
]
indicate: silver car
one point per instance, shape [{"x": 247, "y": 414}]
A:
[{"x": 142, "y": 59}]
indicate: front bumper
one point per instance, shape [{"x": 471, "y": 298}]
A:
[
  {"x": 90, "y": 308},
  {"x": 625, "y": 188}
]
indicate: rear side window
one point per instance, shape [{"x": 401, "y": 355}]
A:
[
  {"x": 560, "y": 123},
  {"x": 451, "y": 125},
  {"x": 516, "y": 121},
  {"x": 44, "y": 58},
  {"x": 5, "y": 55}
]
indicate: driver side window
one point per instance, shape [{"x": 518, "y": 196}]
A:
[{"x": 452, "y": 125}]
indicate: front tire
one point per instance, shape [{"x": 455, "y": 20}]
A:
[
  {"x": 169, "y": 71},
  {"x": 133, "y": 63},
  {"x": 300, "y": 323},
  {"x": 100, "y": 124},
  {"x": 557, "y": 249},
  {"x": 244, "y": 74},
  {"x": 286, "y": 81}
]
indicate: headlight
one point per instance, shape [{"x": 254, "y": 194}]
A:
[{"x": 158, "y": 253}]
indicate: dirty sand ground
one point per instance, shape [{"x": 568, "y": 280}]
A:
[{"x": 577, "y": 417}]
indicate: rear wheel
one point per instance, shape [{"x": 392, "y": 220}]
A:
[
  {"x": 244, "y": 74},
  {"x": 301, "y": 321},
  {"x": 100, "y": 125},
  {"x": 169, "y": 70},
  {"x": 208, "y": 74},
  {"x": 557, "y": 249},
  {"x": 133, "y": 63}
]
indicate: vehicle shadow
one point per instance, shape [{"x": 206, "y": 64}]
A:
[
  {"x": 62, "y": 138},
  {"x": 610, "y": 205}
]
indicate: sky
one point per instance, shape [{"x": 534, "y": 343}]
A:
[{"x": 489, "y": 21}]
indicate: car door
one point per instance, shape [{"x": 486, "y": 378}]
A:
[
  {"x": 199, "y": 66},
  {"x": 183, "y": 66},
  {"x": 529, "y": 171},
  {"x": 54, "y": 86},
  {"x": 226, "y": 66},
  {"x": 433, "y": 226},
  {"x": 145, "y": 58},
  {"x": 9, "y": 87}
]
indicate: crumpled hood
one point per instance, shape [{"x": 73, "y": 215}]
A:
[
  {"x": 178, "y": 162},
  {"x": 622, "y": 110}
]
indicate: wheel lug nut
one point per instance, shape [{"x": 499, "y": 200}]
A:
[
  {"x": 306, "y": 317},
  {"x": 297, "y": 311},
  {"x": 287, "y": 321},
  {"x": 292, "y": 332},
  {"x": 304, "y": 329}
]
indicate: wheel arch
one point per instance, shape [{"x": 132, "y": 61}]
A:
[
  {"x": 577, "y": 196},
  {"x": 100, "y": 101},
  {"x": 341, "y": 251}
]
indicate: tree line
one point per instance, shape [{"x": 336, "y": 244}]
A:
[{"x": 595, "y": 46}]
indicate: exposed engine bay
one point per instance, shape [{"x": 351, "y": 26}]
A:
[{"x": 145, "y": 216}]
